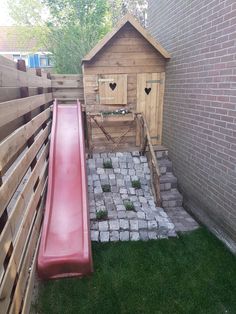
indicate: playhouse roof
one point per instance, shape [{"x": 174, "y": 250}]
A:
[{"x": 128, "y": 18}]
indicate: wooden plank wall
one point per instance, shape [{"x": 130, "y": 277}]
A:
[
  {"x": 67, "y": 88},
  {"x": 24, "y": 149}
]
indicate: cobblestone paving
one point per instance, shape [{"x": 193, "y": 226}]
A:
[{"x": 146, "y": 221}]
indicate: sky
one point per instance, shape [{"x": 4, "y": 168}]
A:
[{"x": 4, "y": 16}]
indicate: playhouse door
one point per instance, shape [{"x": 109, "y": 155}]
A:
[{"x": 150, "y": 92}]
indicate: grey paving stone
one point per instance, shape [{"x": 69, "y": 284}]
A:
[
  {"x": 104, "y": 236},
  {"x": 142, "y": 224},
  {"x": 100, "y": 171},
  {"x": 125, "y": 197},
  {"x": 92, "y": 216},
  {"x": 120, "y": 207},
  {"x": 93, "y": 225},
  {"x": 135, "y": 154},
  {"x": 142, "y": 200},
  {"x": 118, "y": 201},
  {"x": 121, "y": 214},
  {"x": 136, "y": 160},
  {"x": 134, "y": 236},
  {"x": 131, "y": 172},
  {"x": 131, "y": 214},
  {"x": 114, "y": 225},
  {"x": 124, "y": 236},
  {"x": 92, "y": 209},
  {"x": 143, "y": 235},
  {"x": 124, "y": 224},
  {"x": 143, "y": 159},
  {"x": 98, "y": 190},
  {"x": 152, "y": 235},
  {"x": 112, "y": 214},
  {"x": 103, "y": 225},
  {"x": 140, "y": 215},
  {"x": 132, "y": 191},
  {"x": 152, "y": 225},
  {"x": 134, "y": 225},
  {"x": 94, "y": 235},
  {"x": 114, "y": 236}
]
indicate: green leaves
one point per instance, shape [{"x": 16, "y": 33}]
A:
[{"x": 69, "y": 29}]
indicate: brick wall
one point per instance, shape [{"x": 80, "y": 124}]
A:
[{"x": 200, "y": 105}]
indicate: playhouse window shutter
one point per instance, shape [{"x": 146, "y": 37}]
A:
[{"x": 113, "y": 89}]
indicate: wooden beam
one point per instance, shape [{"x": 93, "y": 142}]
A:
[{"x": 13, "y": 109}]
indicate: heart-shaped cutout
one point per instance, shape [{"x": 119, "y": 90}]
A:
[
  {"x": 147, "y": 90},
  {"x": 112, "y": 86}
]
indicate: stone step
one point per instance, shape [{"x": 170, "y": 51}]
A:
[
  {"x": 171, "y": 198},
  {"x": 165, "y": 165},
  {"x": 168, "y": 181},
  {"x": 162, "y": 154}
]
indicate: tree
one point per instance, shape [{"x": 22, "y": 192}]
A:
[
  {"x": 76, "y": 26},
  {"x": 29, "y": 17},
  {"x": 70, "y": 28},
  {"x": 138, "y": 8}
]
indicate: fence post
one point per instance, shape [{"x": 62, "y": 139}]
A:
[{"x": 24, "y": 92}]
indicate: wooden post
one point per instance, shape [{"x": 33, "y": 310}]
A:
[
  {"x": 153, "y": 164},
  {"x": 24, "y": 92},
  {"x": 89, "y": 136},
  {"x": 49, "y": 89}
]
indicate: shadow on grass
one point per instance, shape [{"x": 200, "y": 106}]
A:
[{"x": 192, "y": 274}]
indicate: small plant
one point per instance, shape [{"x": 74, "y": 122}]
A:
[
  {"x": 101, "y": 215},
  {"x": 129, "y": 205},
  {"x": 107, "y": 164},
  {"x": 106, "y": 188},
  {"x": 136, "y": 184}
]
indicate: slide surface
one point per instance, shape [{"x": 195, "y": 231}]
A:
[{"x": 65, "y": 248}]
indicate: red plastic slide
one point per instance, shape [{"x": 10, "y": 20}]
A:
[{"x": 65, "y": 248}]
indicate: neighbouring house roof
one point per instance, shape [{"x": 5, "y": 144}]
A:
[
  {"x": 128, "y": 18},
  {"x": 10, "y": 42}
]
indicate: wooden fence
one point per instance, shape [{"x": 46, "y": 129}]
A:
[
  {"x": 25, "y": 122},
  {"x": 67, "y": 88}
]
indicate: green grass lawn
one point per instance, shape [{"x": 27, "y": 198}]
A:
[{"x": 192, "y": 274}]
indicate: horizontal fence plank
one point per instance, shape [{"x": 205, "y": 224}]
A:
[
  {"x": 12, "y": 144},
  {"x": 9, "y": 186},
  {"x": 66, "y": 76},
  {"x": 11, "y": 77},
  {"x": 20, "y": 245},
  {"x": 7, "y": 62},
  {"x": 7, "y": 93},
  {"x": 13, "y": 109},
  {"x": 68, "y": 83},
  {"x": 12, "y": 225}
]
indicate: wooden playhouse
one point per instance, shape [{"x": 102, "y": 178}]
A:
[{"x": 126, "y": 69}]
